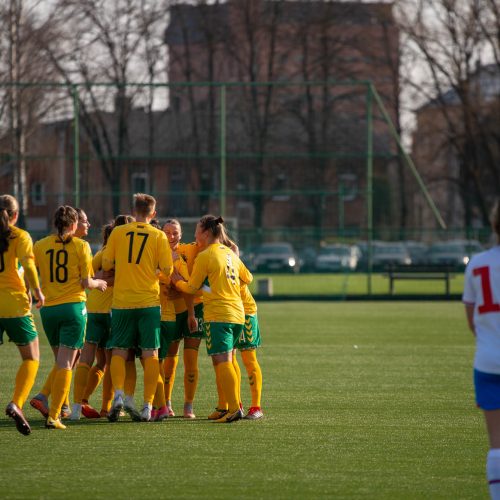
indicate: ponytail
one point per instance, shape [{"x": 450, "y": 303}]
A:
[
  {"x": 215, "y": 225},
  {"x": 64, "y": 217},
  {"x": 8, "y": 208}
]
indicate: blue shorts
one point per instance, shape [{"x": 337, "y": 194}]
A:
[{"x": 487, "y": 387}]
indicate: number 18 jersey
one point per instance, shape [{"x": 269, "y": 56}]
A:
[
  {"x": 482, "y": 289},
  {"x": 62, "y": 267}
]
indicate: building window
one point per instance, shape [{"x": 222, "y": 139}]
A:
[
  {"x": 348, "y": 186},
  {"x": 140, "y": 182},
  {"x": 38, "y": 194}
]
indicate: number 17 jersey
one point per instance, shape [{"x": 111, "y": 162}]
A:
[
  {"x": 136, "y": 251},
  {"x": 482, "y": 290},
  {"x": 62, "y": 267}
]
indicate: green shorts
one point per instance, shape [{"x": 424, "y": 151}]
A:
[
  {"x": 250, "y": 336},
  {"x": 221, "y": 337},
  {"x": 168, "y": 333},
  {"x": 182, "y": 324},
  {"x": 131, "y": 328},
  {"x": 21, "y": 331},
  {"x": 98, "y": 328},
  {"x": 65, "y": 324}
]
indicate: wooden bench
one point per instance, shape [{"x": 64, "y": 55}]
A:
[{"x": 419, "y": 272}]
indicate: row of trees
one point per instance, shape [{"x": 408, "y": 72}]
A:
[{"x": 122, "y": 41}]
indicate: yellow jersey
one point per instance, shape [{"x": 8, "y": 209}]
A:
[
  {"x": 219, "y": 273},
  {"x": 188, "y": 252},
  {"x": 136, "y": 251},
  {"x": 14, "y": 300},
  {"x": 249, "y": 304},
  {"x": 62, "y": 267},
  {"x": 97, "y": 301}
]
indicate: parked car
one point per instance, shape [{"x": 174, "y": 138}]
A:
[
  {"x": 276, "y": 257},
  {"x": 337, "y": 258},
  {"x": 418, "y": 252},
  {"x": 307, "y": 259},
  {"x": 386, "y": 254},
  {"x": 455, "y": 253}
]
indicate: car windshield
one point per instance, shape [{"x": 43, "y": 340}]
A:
[
  {"x": 335, "y": 251},
  {"x": 391, "y": 249},
  {"x": 448, "y": 248},
  {"x": 274, "y": 249}
]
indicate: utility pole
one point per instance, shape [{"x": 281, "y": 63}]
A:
[{"x": 17, "y": 133}]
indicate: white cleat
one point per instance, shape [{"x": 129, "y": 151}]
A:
[
  {"x": 146, "y": 412},
  {"x": 76, "y": 412}
]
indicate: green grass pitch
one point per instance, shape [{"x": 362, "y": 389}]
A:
[{"x": 361, "y": 400}]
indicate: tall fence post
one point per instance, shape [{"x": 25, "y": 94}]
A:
[
  {"x": 223, "y": 150},
  {"x": 76, "y": 145},
  {"x": 369, "y": 183}
]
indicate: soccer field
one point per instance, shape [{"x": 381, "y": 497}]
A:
[{"x": 361, "y": 400}]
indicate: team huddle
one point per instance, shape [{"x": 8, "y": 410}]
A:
[{"x": 146, "y": 292}]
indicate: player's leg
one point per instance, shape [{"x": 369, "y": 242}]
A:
[
  {"x": 248, "y": 343},
  {"x": 22, "y": 331},
  {"x": 191, "y": 374},
  {"x": 192, "y": 342},
  {"x": 220, "y": 344},
  {"x": 170, "y": 368},
  {"x": 73, "y": 320},
  {"x": 149, "y": 342},
  {"x": 81, "y": 377}
]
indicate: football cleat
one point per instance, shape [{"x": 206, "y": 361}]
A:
[
  {"x": 65, "y": 411},
  {"x": 116, "y": 409},
  {"x": 54, "y": 423},
  {"x": 154, "y": 415},
  {"x": 76, "y": 411},
  {"x": 130, "y": 408},
  {"x": 230, "y": 417},
  {"x": 188, "y": 411},
  {"x": 162, "y": 414},
  {"x": 146, "y": 412},
  {"x": 40, "y": 403},
  {"x": 218, "y": 413},
  {"x": 89, "y": 412},
  {"x": 254, "y": 413},
  {"x": 14, "y": 412},
  {"x": 103, "y": 413}
]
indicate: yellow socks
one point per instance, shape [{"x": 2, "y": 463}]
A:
[
  {"x": 107, "y": 390},
  {"x": 25, "y": 379},
  {"x": 151, "y": 376},
  {"x": 118, "y": 372},
  {"x": 47, "y": 387},
  {"x": 229, "y": 384},
  {"x": 60, "y": 388},
  {"x": 237, "y": 370},
  {"x": 190, "y": 374},
  {"x": 130, "y": 378},
  {"x": 81, "y": 376},
  {"x": 170, "y": 365},
  {"x": 93, "y": 380},
  {"x": 222, "y": 402},
  {"x": 254, "y": 375}
]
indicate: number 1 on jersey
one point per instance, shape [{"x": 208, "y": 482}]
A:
[
  {"x": 488, "y": 305},
  {"x": 131, "y": 235}
]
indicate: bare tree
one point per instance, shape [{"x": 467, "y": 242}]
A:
[
  {"x": 449, "y": 38},
  {"x": 104, "y": 47},
  {"x": 25, "y": 97}
]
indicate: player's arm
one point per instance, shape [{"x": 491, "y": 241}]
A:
[
  {"x": 86, "y": 271},
  {"x": 469, "y": 314},
  {"x": 245, "y": 275},
  {"x": 165, "y": 262},
  {"x": 108, "y": 253},
  {"x": 27, "y": 259},
  {"x": 200, "y": 272}
]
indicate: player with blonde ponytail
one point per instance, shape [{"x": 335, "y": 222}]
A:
[{"x": 16, "y": 248}]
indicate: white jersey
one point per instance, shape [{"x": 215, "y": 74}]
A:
[{"x": 482, "y": 289}]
